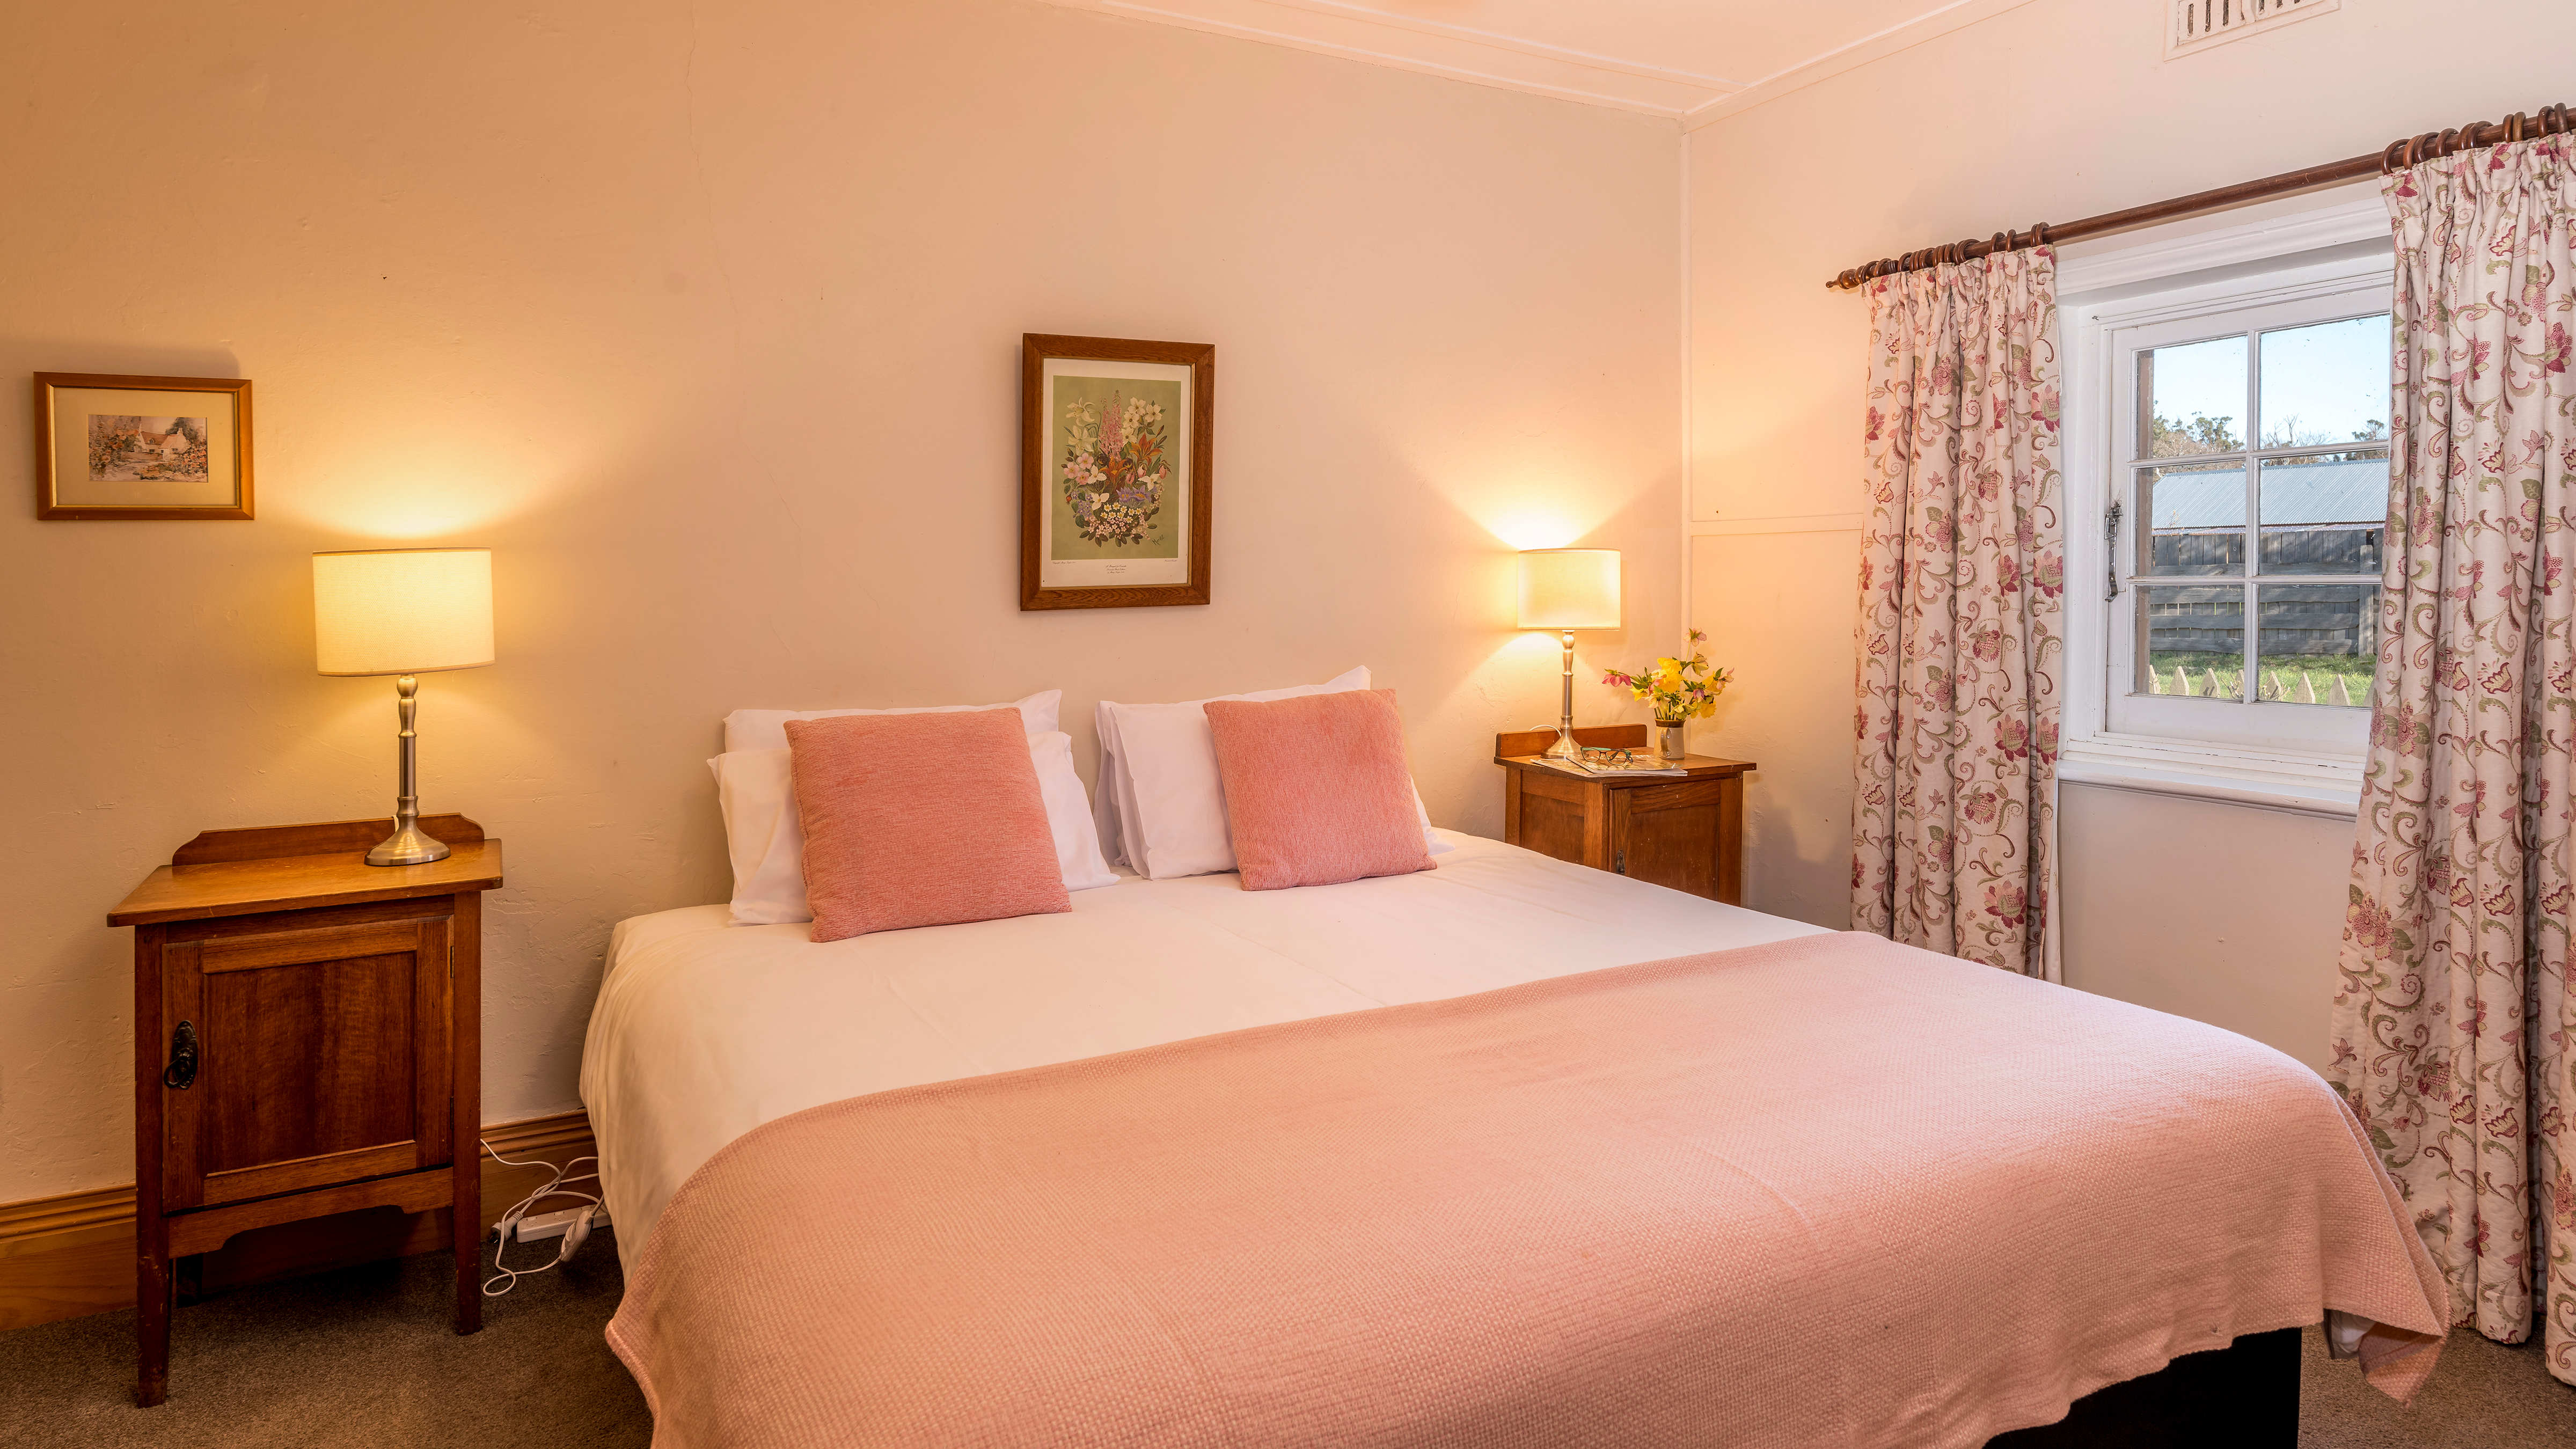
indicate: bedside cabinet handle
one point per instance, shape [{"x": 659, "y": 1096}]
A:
[{"x": 183, "y": 1058}]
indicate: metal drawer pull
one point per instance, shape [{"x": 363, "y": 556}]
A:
[{"x": 183, "y": 1058}]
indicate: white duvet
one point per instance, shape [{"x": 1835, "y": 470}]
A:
[{"x": 704, "y": 1030}]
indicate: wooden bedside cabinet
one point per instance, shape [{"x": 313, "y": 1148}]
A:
[
  {"x": 307, "y": 1041},
  {"x": 1686, "y": 832}
]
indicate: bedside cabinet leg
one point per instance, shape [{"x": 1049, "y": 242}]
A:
[
  {"x": 153, "y": 1289},
  {"x": 467, "y": 1214}
]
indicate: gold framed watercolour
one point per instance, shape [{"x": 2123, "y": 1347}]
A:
[
  {"x": 142, "y": 447},
  {"x": 1115, "y": 440}
]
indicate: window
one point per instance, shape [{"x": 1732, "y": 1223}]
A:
[
  {"x": 2227, "y": 453},
  {"x": 2254, "y": 486}
]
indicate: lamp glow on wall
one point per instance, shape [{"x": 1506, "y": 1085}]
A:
[
  {"x": 404, "y": 612},
  {"x": 1566, "y": 589}
]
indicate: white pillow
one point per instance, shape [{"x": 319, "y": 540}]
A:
[
  {"x": 1158, "y": 772},
  {"x": 766, "y": 839},
  {"x": 766, "y": 729}
]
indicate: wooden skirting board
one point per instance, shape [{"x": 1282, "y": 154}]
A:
[{"x": 62, "y": 1257}]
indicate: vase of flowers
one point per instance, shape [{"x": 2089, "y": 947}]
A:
[{"x": 1679, "y": 689}]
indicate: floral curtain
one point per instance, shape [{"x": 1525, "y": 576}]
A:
[
  {"x": 2452, "y": 1019},
  {"x": 1961, "y": 593}
]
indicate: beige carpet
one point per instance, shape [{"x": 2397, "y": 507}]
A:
[{"x": 363, "y": 1357}]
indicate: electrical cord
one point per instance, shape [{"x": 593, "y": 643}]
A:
[{"x": 556, "y": 1186}]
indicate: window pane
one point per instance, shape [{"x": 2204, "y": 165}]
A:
[
  {"x": 2191, "y": 398},
  {"x": 2319, "y": 642},
  {"x": 2192, "y": 519},
  {"x": 2322, "y": 514},
  {"x": 2191, "y": 640},
  {"x": 2326, "y": 384}
]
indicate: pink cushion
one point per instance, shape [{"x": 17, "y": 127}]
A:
[
  {"x": 1316, "y": 789},
  {"x": 921, "y": 820}
]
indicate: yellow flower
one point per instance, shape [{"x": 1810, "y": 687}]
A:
[
  {"x": 1670, "y": 679},
  {"x": 1708, "y": 709}
]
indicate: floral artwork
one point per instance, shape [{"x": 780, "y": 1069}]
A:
[
  {"x": 1114, "y": 467},
  {"x": 1115, "y": 481},
  {"x": 2456, "y": 1006},
  {"x": 1679, "y": 689},
  {"x": 126, "y": 449},
  {"x": 1962, "y": 577}
]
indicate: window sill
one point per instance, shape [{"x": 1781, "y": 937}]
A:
[{"x": 2268, "y": 779}]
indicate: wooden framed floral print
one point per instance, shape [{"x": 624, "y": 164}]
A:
[
  {"x": 1115, "y": 438},
  {"x": 142, "y": 447}
]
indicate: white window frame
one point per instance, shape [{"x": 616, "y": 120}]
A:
[{"x": 2329, "y": 260}]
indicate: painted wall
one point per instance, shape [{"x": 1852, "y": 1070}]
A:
[
  {"x": 2226, "y": 913},
  {"x": 706, "y": 319},
  {"x": 2052, "y": 110}
]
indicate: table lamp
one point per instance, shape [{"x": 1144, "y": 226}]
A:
[
  {"x": 404, "y": 612},
  {"x": 1566, "y": 589}
]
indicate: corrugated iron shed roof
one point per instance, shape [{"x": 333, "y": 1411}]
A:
[{"x": 2303, "y": 495}]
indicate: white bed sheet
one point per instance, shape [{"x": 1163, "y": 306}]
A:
[{"x": 704, "y": 1030}]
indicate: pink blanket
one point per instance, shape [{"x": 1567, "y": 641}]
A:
[{"x": 1829, "y": 1191}]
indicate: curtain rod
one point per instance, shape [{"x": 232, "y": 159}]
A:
[{"x": 2550, "y": 121}]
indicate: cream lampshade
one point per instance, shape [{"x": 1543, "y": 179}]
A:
[
  {"x": 1566, "y": 589},
  {"x": 404, "y": 612}
]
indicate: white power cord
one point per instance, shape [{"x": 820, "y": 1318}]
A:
[{"x": 575, "y": 1234}]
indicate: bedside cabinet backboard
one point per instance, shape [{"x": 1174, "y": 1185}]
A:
[{"x": 322, "y": 1051}]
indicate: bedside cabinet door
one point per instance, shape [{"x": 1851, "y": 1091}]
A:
[
  {"x": 1685, "y": 835},
  {"x": 321, "y": 1055}
]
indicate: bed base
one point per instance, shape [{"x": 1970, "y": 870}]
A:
[{"x": 2243, "y": 1396}]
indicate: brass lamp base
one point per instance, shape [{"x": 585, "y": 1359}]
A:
[
  {"x": 408, "y": 845},
  {"x": 1565, "y": 748}
]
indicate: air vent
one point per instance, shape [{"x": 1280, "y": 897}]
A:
[{"x": 2200, "y": 24}]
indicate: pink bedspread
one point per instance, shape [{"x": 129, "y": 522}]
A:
[{"x": 1831, "y": 1191}]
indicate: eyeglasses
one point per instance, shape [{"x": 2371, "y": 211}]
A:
[{"x": 1609, "y": 759}]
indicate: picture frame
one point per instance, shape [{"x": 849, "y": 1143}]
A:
[
  {"x": 1116, "y": 481},
  {"x": 117, "y": 447}
]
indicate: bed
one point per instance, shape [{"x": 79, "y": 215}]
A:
[{"x": 1942, "y": 1256}]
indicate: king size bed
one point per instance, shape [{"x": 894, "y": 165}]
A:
[{"x": 1507, "y": 1152}]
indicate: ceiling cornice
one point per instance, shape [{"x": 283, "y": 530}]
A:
[
  {"x": 1956, "y": 16},
  {"x": 1376, "y": 37}
]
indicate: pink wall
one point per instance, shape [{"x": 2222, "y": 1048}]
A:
[{"x": 705, "y": 320}]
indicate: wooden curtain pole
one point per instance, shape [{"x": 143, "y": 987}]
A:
[{"x": 2397, "y": 155}]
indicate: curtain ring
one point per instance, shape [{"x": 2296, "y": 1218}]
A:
[{"x": 2513, "y": 128}]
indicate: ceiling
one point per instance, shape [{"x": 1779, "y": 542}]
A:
[{"x": 1691, "y": 60}]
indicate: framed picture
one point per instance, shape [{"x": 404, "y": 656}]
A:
[
  {"x": 1115, "y": 438},
  {"x": 142, "y": 447}
]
